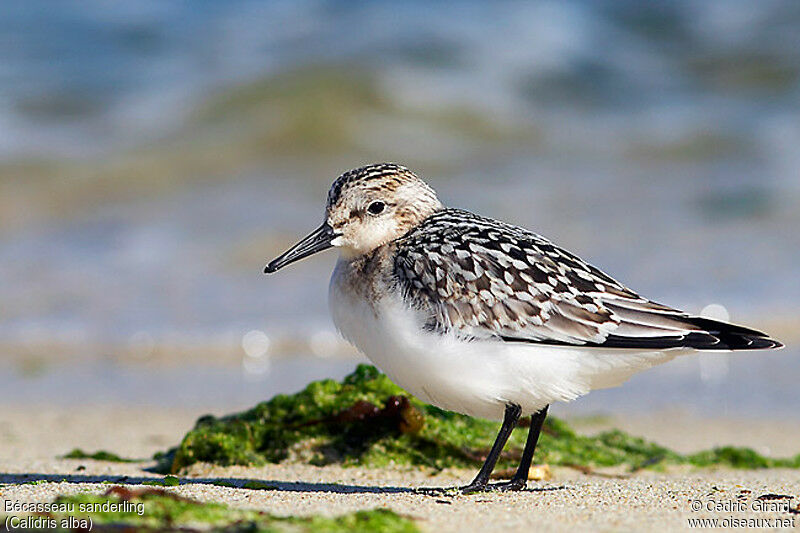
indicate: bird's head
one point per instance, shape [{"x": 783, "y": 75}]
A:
[{"x": 367, "y": 208}]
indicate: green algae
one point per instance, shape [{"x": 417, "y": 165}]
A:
[
  {"x": 317, "y": 425},
  {"x": 100, "y": 455},
  {"x": 159, "y": 510},
  {"x": 738, "y": 457},
  {"x": 168, "y": 481},
  {"x": 259, "y": 485}
]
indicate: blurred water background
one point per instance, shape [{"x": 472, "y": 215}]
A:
[{"x": 154, "y": 155}]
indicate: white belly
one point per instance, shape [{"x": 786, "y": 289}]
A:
[{"x": 477, "y": 378}]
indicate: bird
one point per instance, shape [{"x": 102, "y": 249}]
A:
[{"x": 485, "y": 318}]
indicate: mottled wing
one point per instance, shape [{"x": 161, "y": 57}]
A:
[{"x": 482, "y": 278}]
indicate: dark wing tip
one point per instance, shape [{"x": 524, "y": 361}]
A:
[
  {"x": 766, "y": 344},
  {"x": 735, "y": 337},
  {"x": 715, "y": 336}
]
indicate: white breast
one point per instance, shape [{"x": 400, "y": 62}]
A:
[{"x": 477, "y": 378}]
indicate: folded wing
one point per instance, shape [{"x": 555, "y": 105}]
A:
[{"x": 481, "y": 278}]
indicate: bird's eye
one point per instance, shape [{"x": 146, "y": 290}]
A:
[{"x": 376, "y": 208}]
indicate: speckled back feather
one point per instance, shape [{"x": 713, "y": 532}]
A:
[{"x": 480, "y": 278}]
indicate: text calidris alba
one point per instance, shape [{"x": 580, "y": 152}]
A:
[{"x": 484, "y": 318}]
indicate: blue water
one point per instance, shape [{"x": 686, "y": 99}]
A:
[{"x": 80, "y": 76}]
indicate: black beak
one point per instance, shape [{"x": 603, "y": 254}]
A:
[{"x": 317, "y": 241}]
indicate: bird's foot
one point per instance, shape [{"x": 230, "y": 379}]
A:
[
  {"x": 474, "y": 488},
  {"x": 503, "y": 486},
  {"x": 508, "y": 486}
]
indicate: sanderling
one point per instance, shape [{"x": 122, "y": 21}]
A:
[{"x": 482, "y": 317}]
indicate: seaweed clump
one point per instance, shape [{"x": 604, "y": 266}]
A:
[
  {"x": 364, "y": 419},
  {"x": 100, "y": 455},
  {"x": 367, "y": 420}
]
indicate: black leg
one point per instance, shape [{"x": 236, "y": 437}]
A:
[
  {"x": 481, "y": 481},
  {"x": 520, "y": 478}
]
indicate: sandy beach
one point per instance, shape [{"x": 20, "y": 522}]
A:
[{"x": 604, "y": 500}]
